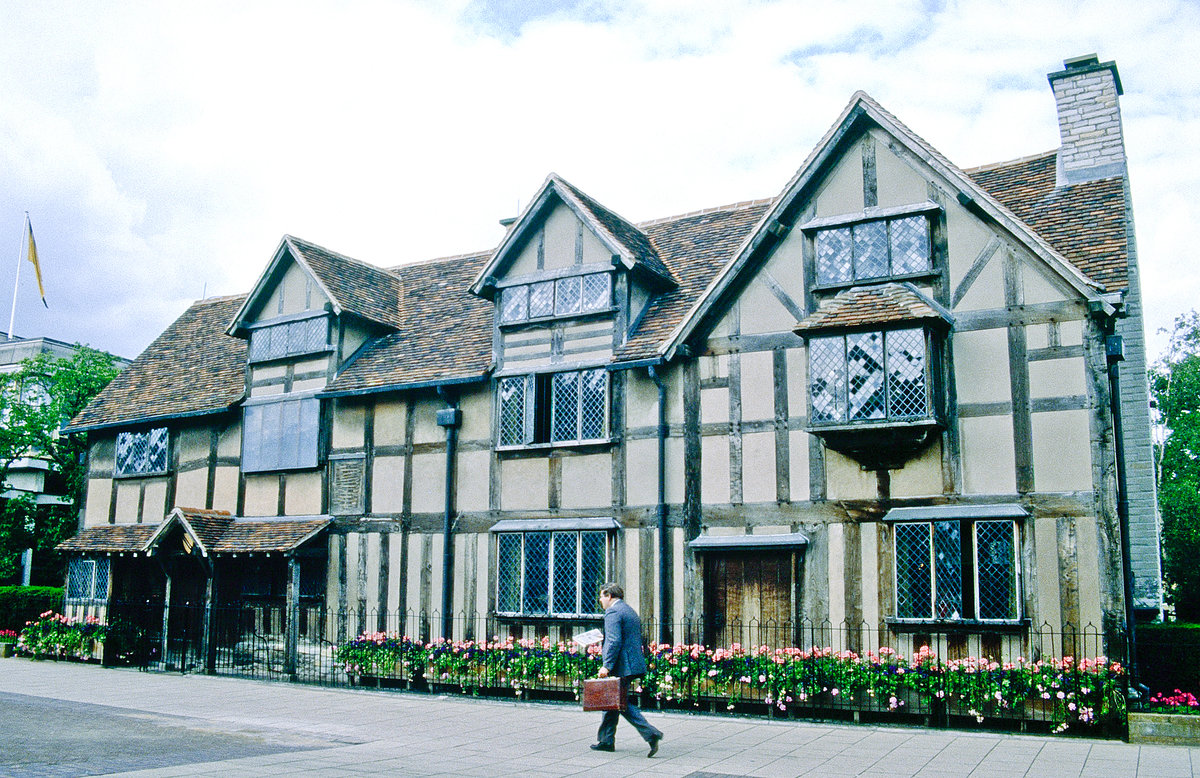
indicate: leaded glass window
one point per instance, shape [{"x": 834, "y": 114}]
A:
[
  {"x": 873, "y": 249},
  {"x": 288, "y": 339},
  {"x": 550, "y": 573},
  {"x": 940, "y": 577},
  {"x": 142, "y": 453},
  {"x": 564, "y": 407},
  {"x": 87, "y": 579},
  {"x": 868, "y": 376},
  {"x": 568, "y": 296}
]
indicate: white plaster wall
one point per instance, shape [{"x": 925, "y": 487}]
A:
[
  {"x": 587, "y": 481},
  {"x": 191, "y": 488},
  {"x": 524, "y": 484},
  {"x": 842, "y": 190},
  {"x": 714, "y": 469},
  {"x": 1062, "y": 451},
  {"x": 154, "y": 505},
  {"x": 798, "y": 479},
  {"x": 898, "y": 183},
  {"x": 387, "y": 485},
  {"x": 641, "y": 487},
  {"x": 837, "y": 574},
  {"x": 99, "y": 491},
  {"x": 981, "y": 366},
  {"x": 920, "y": 476},
  {"x": 429, "y": 479},
  {"x": 758, "y": 467},
  {"x": 303, "y": 497},
  {"x": 1088, "y": 548},
  {"x": 714, "y": 405},
  {"x": 225, "y": 489},
  {"x": 987, "y": 290},
  {"x": 262, "y": 495},
  {"x": 128, "y": 494},
  {"x": 758, "y": 386},
  {"x": 390, "y": 417},
  {"x": 348, "y": 425},
  {"x": 846, "y": 480},
  {"x": 988, "y": 458},
  {"x": 1048, "y": 596},
  {"x": 1057, "y": 377},
  {"x": 473, "y": 480}
]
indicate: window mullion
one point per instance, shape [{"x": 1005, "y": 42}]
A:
[
  {"x": 521, "y": 578},
  {"x": 933, "y": 597},
  {"x": 579, "y": 572},
  {"x": 550, "y": 603}
]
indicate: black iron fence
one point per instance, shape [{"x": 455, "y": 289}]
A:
[{"x": 932, "y": 674}]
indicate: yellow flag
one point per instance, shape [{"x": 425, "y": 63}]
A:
[{"x": 31, "y": 255}]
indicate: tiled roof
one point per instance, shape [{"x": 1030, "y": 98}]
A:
[
  {"x": 1083, "y": 222},
  {"x": 446, "y": 335},
  {"x": 192, "y": 367},
  {"x": 873, "y": 306},
  {"x": 217, "y": 531},
  {"x": 634, "y": 239},
  {"x": 694, "y": 246},
  {"x": 364, "y": 290},
  {"x": 109, "y": 538}
]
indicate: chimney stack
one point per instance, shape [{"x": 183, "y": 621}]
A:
[{"x": 1089, "y": 120}]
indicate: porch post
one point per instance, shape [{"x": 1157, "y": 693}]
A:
[
  {"x": 208, "y": 647},
  {"x": 293, "y": 616},
  {"x": 166, "y": 618}
]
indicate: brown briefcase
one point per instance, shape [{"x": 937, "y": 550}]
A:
[{"x": 604, "y": 694}]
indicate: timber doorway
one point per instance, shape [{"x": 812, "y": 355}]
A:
[{"x": 750, "y": 597}]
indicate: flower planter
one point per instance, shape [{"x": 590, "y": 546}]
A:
[{"x": 1177, "y": 729}]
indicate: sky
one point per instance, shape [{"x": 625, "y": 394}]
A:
[{"x": 162, "y": 150}]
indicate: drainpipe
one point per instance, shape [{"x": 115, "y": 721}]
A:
[
  {"x": 1114, "y": 350},
  {"x": 664, "y": 578},
  {"x": 450, "y": 418}
]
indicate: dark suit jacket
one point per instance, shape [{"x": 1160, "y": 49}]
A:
[{"x": 623, "y": 641}]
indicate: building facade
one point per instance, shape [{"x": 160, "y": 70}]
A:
[{"x": 888, "y": 400}]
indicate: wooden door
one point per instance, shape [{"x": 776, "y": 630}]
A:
[{"x": 749, "y": 598}]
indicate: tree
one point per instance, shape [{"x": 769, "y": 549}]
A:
[
  {"x": 36, "y": 400},
  {"x": 1175, "y": 384}
]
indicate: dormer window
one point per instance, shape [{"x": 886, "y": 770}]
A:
[
  {"x": 869, "y": 250},
  {"x": 289, "y": 338},
  {"x": 559, "y": 297}
]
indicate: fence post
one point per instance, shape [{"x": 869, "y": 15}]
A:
[{"x": 293, "y": 617}]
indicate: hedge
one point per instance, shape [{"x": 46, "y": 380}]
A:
[
  {"x": 1169, "y": 657},
  {"x": 21, "y": 604}
]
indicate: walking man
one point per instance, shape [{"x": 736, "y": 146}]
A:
[{"x": 623, "y": 658}]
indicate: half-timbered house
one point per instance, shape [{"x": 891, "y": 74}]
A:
[{"x": 889, "y": 400}]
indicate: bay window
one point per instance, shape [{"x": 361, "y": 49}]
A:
[
  {"x": 548, "y": 408},
  {"x": 869, "y": 376},
  {"x": 957, "y": 569},
  {"x": 550, "y": 573}
]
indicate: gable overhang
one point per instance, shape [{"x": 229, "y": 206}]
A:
[
  {"x": 176, "y": 518},
  {"x": 780, "y": 218},
  {"x": 554, "y": 186},
  {"x": 286, "y": 251}
]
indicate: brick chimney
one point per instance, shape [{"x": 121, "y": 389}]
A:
[{"x": 1089, "y": 120}]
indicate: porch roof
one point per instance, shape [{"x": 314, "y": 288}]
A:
[
  {"x": 213, "y": 532},
  {"x": 109, "y": 539}
]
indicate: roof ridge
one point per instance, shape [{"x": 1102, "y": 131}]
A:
[
  {"x": 435, "y": 260},
  {"x": 1008, "y": 162},
  {"x": 219, "y": 299},
  {"x": 738, "y": 206},
  {"x": 338, "y": 254}
]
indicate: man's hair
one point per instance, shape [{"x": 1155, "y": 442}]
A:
[{"x": 613, "y": 590}]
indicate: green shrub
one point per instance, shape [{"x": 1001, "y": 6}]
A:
[
  {"x": 22, "y": 604},
  {"x": 1169, "y": 657},
  {"x": 55, "y": 635}
]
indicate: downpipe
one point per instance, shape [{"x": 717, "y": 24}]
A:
[{"x": 450, "y": 418}]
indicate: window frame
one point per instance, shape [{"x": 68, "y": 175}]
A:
[
  {"x": 579, "y": 612},
  {"x": 539, "y": 399},
  {"x": 525, "y": 290},
  {"x": 307, "y": 440},
  {"x": 97, "y": 584},
  {"x": 140, "y": 471},
  {"x": 928, "y": 375},
  {"x": 969, "y": 578},
  {"x": 930, "y": 212},
  {"x": 286, "y": 323}
]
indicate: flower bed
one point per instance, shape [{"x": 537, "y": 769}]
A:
[
  {"x": 1067, "y": 693},
  {"x": 55, "y": 635}
]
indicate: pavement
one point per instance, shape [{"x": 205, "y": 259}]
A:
[{"x": 68, "y": 719}]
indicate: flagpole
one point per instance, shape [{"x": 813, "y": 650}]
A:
[{"x": 13, "y": 315}]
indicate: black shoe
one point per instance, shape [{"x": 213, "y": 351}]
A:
[
  {"x": 606, "y": 747},
  {"x": 654, "y": 741}
]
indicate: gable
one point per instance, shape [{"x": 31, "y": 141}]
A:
[
  {"x": 293, "y": 290},
  {"x": 558, "y": 240}
]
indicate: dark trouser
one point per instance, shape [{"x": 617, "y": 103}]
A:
[{"x": 608, "y": 726}]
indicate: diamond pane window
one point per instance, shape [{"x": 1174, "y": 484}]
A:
[
  {"x": 947, "y": 565},
  {"x": 592, "y": 403},
  {"x": 864, "y": 375},
  {"x": 511, "y": 392},
  {"x": 909, "y": 241},
  {"x": 868, "y": 376},
  {"x": 546, "y": 408},
  {"x": 939, "y": 577},
  {"x": 907, "y": 398},
  {"x": 995, "y": 549},
  {"x": 873, "y": 250},
  {"x": 834, "y": 256},
  {"x": 870, "y": 250},
  {"x": 87, "y": 579},
  {"x": 514, "y": 304},
  {"x": 568, "y": 293},
  {"x": 535, "y": 587},
  {"x": 508, "y": 573},
  {"x": 596, "y": 295},
  {"x": 551, "y": 573},
  {"x": 541, "y": 299},
  {"x": 913, "y": 586},
  {"x": 142, "y": 453},
  {"x": 565, "y": 403},
  {"x": 827, "y": 379},
  {"x": 566, "y": 573}
]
